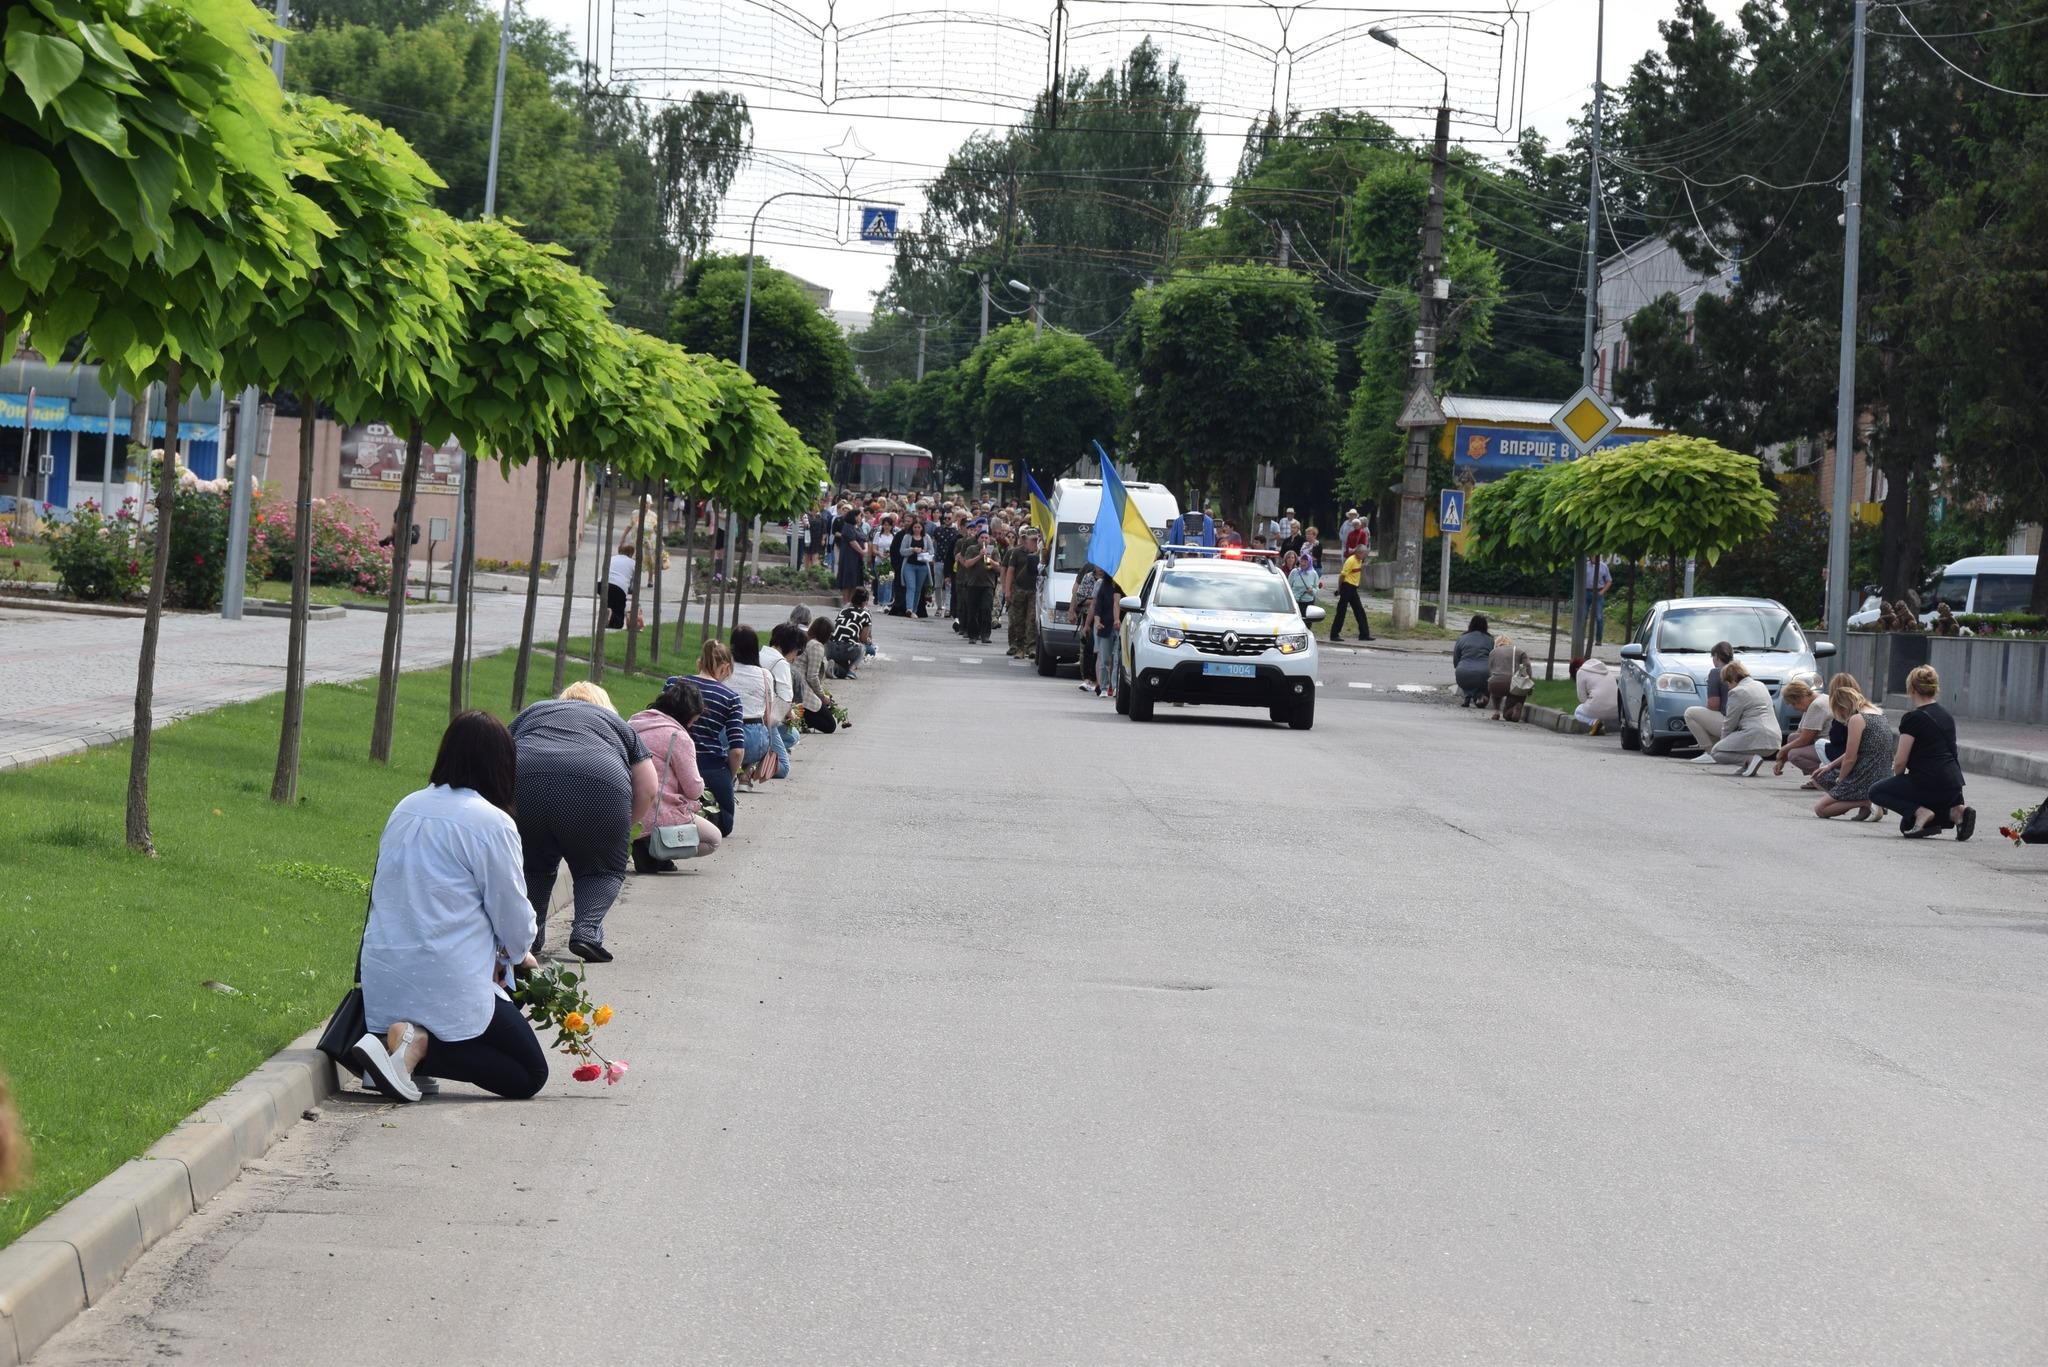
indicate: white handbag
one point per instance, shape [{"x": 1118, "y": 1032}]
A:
[{"x": 672, "y": 842}]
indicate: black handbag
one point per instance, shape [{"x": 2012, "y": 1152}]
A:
[
  {"x": 348, "y": 1024},
  {"x": 2036, "y": 830}
]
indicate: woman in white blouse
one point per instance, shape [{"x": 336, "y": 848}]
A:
[
  {"x": 448, "y": 921},
  {"x": 756, "y": 688}
]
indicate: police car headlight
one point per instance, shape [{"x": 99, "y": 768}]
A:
[
  {"x": 1294, "y": 642},
  {"x": 1169, "y": 637}
]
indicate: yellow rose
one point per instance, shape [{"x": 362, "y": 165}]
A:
[
  {"x": 573, "y": 1023},
  {"x": 602, "y": 1016}
]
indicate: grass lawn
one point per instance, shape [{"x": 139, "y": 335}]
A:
[
  {"x": 673, "y": 660},
  {"x": 320, "y": 595},
  {"x": 1382, "y": 626},
  {"x": 109, "y": 1026},
  {"x": 26, "y": 561},
  {"x": 1559, "y": 693}
]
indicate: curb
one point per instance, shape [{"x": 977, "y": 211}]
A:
[
  {"x": 71, "y": 607},
  {"x": 315, "y": 612},
  {"x": 1976, "y": 759},
  {"x": 69, "y": 1262}
]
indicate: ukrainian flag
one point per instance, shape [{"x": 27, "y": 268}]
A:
[
  {"x": 1122, "y": 544},
  {"x": 1041, "y": 510}
]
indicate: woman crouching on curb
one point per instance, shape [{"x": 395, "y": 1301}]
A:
[
  {"x": 665, "y": 729},
  {"x": 1926, "y": 786},
  {"x": 448, "y": 913}
]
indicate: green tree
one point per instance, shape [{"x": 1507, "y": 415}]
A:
[
  {"x": 1044, "y": 399},
  {"x": 793, "y": 349},
  {"x": 360, "y": 328},
  {"x": 699, "y": 146},
  {"x": 1670, "y": 498},
  {"x": 149, "y": 207},
  {"x": 1230, "y": 370}
]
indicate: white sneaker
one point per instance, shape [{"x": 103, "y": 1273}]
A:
[
  {"x": 429, "y": 1086},
  {"x": 1748, "y": 770},
  {"x": 371, "y": 1059},
  {"x": 1706, "y": 758}
]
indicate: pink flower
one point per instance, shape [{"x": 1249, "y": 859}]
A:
[
  {"x": 588, "y": 1072},
  {"x": 613, "y": 1071}
]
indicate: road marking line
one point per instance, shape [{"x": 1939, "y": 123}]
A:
[
  {"x": 1361, "y": 685},
  {"x": 1419, "y": 688},
  {"x": 923, "y": 660},
  {"x": 970, "y": 659}
]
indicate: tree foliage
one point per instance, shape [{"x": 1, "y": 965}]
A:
[
  {"x": 792, "y": 349},
  {"x": 1231, "y": 370},
  {"x": 1044, "y": 399},
  {"x": 1670, "y": 497}
]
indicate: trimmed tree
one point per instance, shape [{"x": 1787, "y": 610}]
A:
[
  {"x": 355, "y": 333},
  {"x": 149, "y": 206},
  {"x": 1672, "y": 497}
]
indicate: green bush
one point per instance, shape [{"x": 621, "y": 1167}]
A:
[
  {"x": 98, "y": 557},
  {"x": 2005, "y": 623},
  {"x": 199, "y": 546}
]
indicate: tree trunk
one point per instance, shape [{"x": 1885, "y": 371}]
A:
[
  {"x": 1550, "y": 663},
  {"x": 462, "y": 580},
  {"x": 1918, "y": 495},
  {"x": 284, "y": 780},
  {"x": 739, "y": 580},
  {"x": 568, "y": 577},
  {"x": 152, "y": 623},
  {"x": 660, "y": 555},
  {"x": 604, "y": 560},
  {"x": 689, "y": 569},
  {"x": 394, "y": 601},
  {"x": 540, "y": 530},
  {"x": 639, "y": 575},
  {"x": 705, "y": 629}
]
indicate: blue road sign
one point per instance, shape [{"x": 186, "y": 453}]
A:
[
  {"x": 877, "y": 224},
  {"x": 1450, "y": 513}
]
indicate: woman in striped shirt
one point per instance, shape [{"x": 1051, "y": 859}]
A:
[{"x": 719, "y": 732}]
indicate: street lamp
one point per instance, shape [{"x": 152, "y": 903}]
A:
[
  {"x": 1421, "y": 413},
  {"x": 1037, "y": 304}
]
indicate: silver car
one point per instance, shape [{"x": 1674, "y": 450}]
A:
[{"x": 1664, "y": 666}]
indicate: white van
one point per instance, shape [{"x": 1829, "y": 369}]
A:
[
  {"x": 1976, "y": 583},
  {"x": 1074, "y": 505}
]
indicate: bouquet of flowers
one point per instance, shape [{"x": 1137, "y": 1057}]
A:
[
  {"x": 555, "y": 998},
  {"x": 2016, "y": 832}
]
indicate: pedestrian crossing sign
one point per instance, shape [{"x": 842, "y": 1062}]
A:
[
  {"x": 877, "y": 224},
  {"x": 1000, "y": 471},
  {"x": 1450, "y": 515}
]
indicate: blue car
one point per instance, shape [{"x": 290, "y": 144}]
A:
[{"x": 1664, "y": 666}]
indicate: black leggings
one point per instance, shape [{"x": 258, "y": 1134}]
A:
[
  {"x": 505, "y": 1060},
  {"x": 615, "y": 601}
]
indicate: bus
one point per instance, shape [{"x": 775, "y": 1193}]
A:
[{"x": 875, "y": 463}]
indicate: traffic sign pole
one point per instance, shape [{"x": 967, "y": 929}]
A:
[{"x": 1450, "y": 518}]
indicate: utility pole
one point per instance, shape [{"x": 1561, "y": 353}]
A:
[
  {"x": 1038, "y": 313},
  {"x": 1421, "y": 415},
  {"x": 1587, "y": 355},
  {"x": 921, "y": 322},
  {"x": 1841, "y": 601},
  {"x": 974, "y": 490}
]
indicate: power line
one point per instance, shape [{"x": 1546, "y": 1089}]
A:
[{"x": 1988, "y": 85}]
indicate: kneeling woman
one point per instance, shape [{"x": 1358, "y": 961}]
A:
[
  {"x": 665, "y": 729},
  {"x": 448, "y": 920}
]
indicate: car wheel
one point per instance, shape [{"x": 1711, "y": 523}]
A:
[
  {"x": 1123, "y": 691},
  {"x": 1141, "y": 701},
  {"x": 1652, "y": 745},
  {"x": 1048, "y": 664},
  {"x": 1303, "y": 714},
  {"x": 1631, "y": 735}
]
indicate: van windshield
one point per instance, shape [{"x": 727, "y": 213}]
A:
[
  {"x": 1745, "y": 628},
  {"x": 1070, "y": 550}
]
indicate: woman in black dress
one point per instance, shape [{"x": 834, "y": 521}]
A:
[{"x": 1926, "y": 786}]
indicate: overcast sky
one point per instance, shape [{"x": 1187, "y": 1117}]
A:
[{"x": 909, "y": 144}]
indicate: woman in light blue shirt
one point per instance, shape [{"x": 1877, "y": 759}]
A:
[{"x": 448, "y": 921}]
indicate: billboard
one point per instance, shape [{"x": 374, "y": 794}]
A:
[
  {"x": 373, "y": 457},
  {"x": 1487, "y": 453}
]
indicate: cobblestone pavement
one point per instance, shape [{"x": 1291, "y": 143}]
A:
[{"x": 69, "y": 681}]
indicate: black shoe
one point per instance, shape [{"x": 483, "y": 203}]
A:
[
  {"x": 643, "y": 862},
  {"x": 590, "y": 953},
  {"x": 1968, "y": 826}
]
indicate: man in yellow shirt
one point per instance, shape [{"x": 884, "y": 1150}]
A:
[{"x": 1347, "y": 596}]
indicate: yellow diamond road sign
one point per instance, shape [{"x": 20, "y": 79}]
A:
[{"x": 1585, "y": 420}]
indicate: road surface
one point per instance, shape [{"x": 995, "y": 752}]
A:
[{"x": 1010, "y": 1031}]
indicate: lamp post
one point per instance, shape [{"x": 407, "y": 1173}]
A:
[
  {"x": 1581, "y": 633},
  {"x": 1420, "y": 415},
  {"x": 1037, "y": 305}
]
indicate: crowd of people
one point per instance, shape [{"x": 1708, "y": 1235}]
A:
[
  {"x": 1845, "y": 747},
  {"x": 467, "y": 866}
]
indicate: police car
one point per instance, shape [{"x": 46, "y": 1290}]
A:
[{"x": 1217, "y": 627}]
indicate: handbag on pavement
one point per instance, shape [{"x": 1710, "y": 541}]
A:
[
  {"x": 672, "y": 842},
  {"x": 348, "y": 1024}
]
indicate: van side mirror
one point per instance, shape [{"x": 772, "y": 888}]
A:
[
  {"x": 1823, "y": 649},
  {"x": 1632, "y": 651}
]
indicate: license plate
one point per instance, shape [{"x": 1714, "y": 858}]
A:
[{"x": 1231, "y": 671}]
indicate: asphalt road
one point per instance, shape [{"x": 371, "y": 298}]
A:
[{"x": 1011, "y": 1031}]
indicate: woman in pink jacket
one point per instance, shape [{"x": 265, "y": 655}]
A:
[{"x": 664, "y": 729}]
